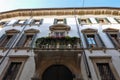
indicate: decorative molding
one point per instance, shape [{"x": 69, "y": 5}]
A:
[
  {"x": 89, "y": 30},
  {"x": 32, "y": 31},
  {"x": 111, "y": 30},
  {"x": 60, "y": 11},
  {"x": 11, "y": 31},
  {"x": 60, "y": 27}
]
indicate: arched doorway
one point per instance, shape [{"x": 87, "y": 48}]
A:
[{"x": 57, "y": 72}]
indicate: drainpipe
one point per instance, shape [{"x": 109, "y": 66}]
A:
[{"x": 84, "y": 54}]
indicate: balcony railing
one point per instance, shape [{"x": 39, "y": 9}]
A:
[{"x": 58, "y": 43}]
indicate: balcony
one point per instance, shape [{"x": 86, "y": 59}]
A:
[{"x": 59, "y": 43}]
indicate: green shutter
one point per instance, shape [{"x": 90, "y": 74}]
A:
[
  {"x": 55, "y": 21},
  {"x": 89, "y": 20},
  {"x": 65, "y": 22},
  {"x": 79, "y": 20},
  {"x": 107, "y": 20},
  {"x": 97, "y": 20},
  {"x": 41, "y": 21},
  {"x": 116, "y": 20}
]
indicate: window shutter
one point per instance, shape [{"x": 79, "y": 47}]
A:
[
  {"x": 33, "y": 39},
  {"x": 41, "y": 21},
  {"x": 10, "y": 41},
  {"x": 85, "y": 37},
  {"x": 99, "y": 41},
  {"x": 79, "y": 20},
  {"x": 65, "y": 21},
  {"x": 89, "y": 20},
  {"x": 107, "y": 20},
  {"x": 118, "y": 37},
  {"x": 111, "y": 39},
  {"x": 30, "y": 21},
  {"x": 3, "y": 37},
  {"x": 116, "y": 20},
  {"x": 97, "y": 20},
  {"x": 21, "y": 41},
  {"x": 55, "y": 21}
]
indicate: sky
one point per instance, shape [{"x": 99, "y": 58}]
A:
[{"x": 7, "y": 5}]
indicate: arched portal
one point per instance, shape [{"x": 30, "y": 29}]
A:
[{"x": 57, "y": 72}]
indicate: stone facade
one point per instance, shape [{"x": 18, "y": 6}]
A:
[{"x": 83, "y": 41}]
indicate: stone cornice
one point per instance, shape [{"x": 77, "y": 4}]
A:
[{"x": 61, "y": 11}]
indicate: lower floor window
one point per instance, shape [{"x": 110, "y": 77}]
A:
[
  {"x": 105, "y": 71},
  {"x": 12, "y": 71}
]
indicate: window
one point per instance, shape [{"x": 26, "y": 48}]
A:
[
  {"x": 105, "y": 71},
  {"x": 26, "y": 40},
  {"x": 59, "y": 34},
  {"x": 84, "y": 21},
  {"x": 20, "y": 22},
  {"x": 104, "y": 68},
  {"x": 12, "y": 71},
  {"x": 12, "y": 22},
  {"x": 3, "y": 23},
  {"x": 36, "y": 22},
  {"x": 102, "y": 20},
  {"x": 117, "y": 19},
  {"x": 93, "y": 41},
  {"x": 115, "y": 39},
  {"x": 6, "y": 40},
  {"x": 59, "y": 21}
]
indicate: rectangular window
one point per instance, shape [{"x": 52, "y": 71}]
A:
[
  {"x": 117, "y": 19},
  {"x": 105, "y": 71},
  {"x": 84, "y": 21},
  {"x": 59, "y": 21},
  {"x": 26, "y": 40},
  {"x": 12, "y": 71},
  {"x": 115, "y": 39},
  {"x": 93, "y": 41},
  {"x": 36, "y": 22},
  {"x": 20, "y": 22},
  {"x": 6, "y": 40},
  {"x": 103, "y": 20},
  {"x": 12, "y": 22},
  {"x": 59, "y": 34}
]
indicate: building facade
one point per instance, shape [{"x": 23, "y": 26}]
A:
[{"x": 60, "y": 44}]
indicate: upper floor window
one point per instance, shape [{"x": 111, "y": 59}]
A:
[
  {"x": 8, "y": 38},
  {"x": 59, "y": 30},
  {"x": 12, "y": 22},
  {"x": 84, "y": 21},
  {"x": 59, "y": 21},
  {"x": 27, "y": 38},
  {"x": 3, "y": 23},
  {"x": 117, "y": 19},
  {"x": 114, "y": 36},
  {"x": 102, "y": 20},
  {"x": 92, "y": 39},
  {"x": 36, "y": 22},
  {"x": 20, "y": 22}
]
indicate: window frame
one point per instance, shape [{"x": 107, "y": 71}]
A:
[
  {"x": 21, "y": 59},
  {"x": 104, "y": 59}
]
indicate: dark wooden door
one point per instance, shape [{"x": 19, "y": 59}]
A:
[{"x": 57, "y": 72}]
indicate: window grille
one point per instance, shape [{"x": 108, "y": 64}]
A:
[
  {"x": 105, "y": 71},
  {"x": 12, "y": 71}
]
